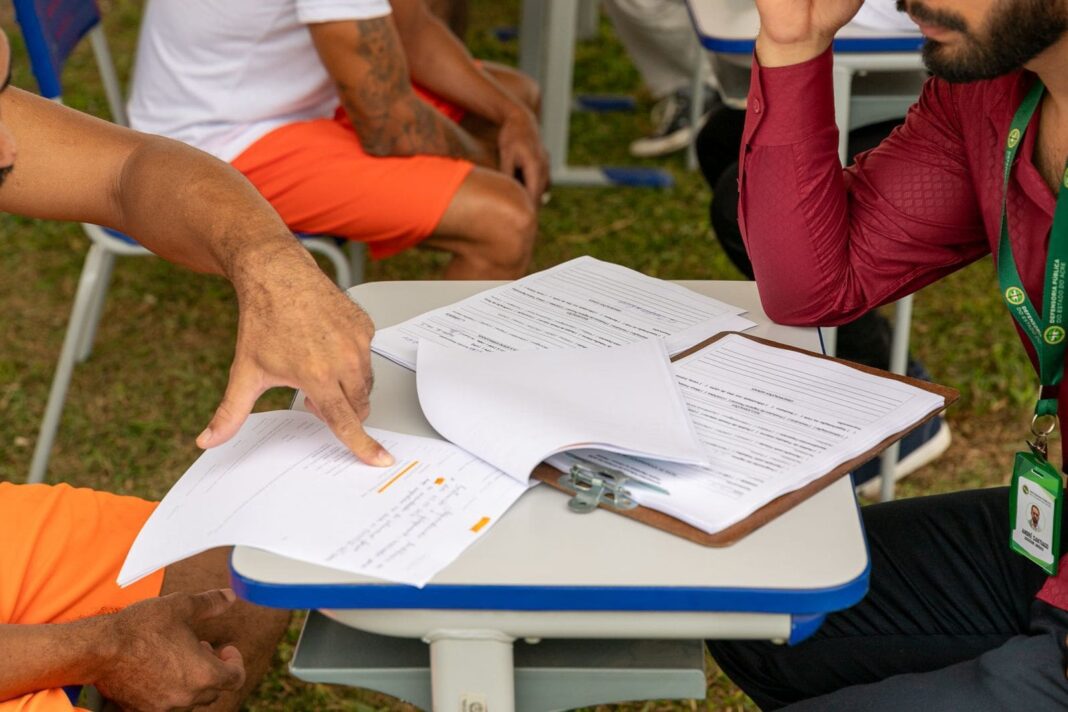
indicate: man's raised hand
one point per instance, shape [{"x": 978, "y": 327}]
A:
[{"x": 795, "y": 31}]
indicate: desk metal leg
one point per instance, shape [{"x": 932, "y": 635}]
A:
[
  {"x": 899, "y": 358},
  {"x": 557, "y": 62},
  {"x": 531, "y": 33},
  {"x": 829, "y": 339},
  {"x": 843, "y": 95},
  {"x": 589, "y": 16},
  {"x": 697, "y": 105},
  {"x": 843, "y": 90},
  {"x": 557, "y": 55},
  {"x": 899, "y": 350},
  {"x": 472, "y": 671}
]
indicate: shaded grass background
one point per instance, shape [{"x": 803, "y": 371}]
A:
[{"x": 166, "y": 338}]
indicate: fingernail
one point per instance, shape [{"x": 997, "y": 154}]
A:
[
  {"x": 205, "y": 437},
  {"x": 228, "y": 593},
  {"x": 383, "y": 459}
]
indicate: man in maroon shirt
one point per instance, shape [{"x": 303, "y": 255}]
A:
[{"x": 954, "y": 620}]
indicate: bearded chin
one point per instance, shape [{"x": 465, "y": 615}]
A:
[{"x": 1025, "y": 29}]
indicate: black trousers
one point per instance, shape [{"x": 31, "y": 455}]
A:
[
  {"x": 950, "y": 623},
  {"x": 866, "y": 339}
]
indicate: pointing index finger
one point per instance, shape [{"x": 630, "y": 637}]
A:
[{"x": 343, "y": 420}]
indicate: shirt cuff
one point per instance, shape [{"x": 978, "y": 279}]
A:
[{"x": 789, "y": 104}]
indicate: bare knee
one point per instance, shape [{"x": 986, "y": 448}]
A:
[
  {"x": 512, "y": 230},
  {"x": 490, "y": 228}
]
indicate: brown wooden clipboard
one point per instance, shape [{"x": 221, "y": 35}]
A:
[{"x": 551, "y": 476}]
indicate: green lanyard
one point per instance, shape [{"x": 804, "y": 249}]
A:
[{"x": 1047, "y": 330}]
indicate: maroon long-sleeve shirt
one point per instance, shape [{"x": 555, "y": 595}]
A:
[{"x": 829, "y": 244}]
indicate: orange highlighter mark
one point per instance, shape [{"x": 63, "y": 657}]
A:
[
  {"x": 439, "y": 481},
  {"x": 397, "y": 476},
  {"x": 481, "y": 523}
]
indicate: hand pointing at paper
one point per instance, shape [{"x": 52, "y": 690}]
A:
[{"x": 297, "y": 329}]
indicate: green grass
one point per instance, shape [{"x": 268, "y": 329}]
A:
[{"x": 166, "y": 339}]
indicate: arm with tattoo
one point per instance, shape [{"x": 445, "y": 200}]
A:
[{"x": 368, "y": 65}]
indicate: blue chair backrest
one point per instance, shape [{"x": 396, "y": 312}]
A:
[{"x": 51, "y": 29}]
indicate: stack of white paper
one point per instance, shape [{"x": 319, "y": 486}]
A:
[
  {"x": 512, "y": 375},
  {"x": 516, "y": 409},
  {"x": 285, "y": 484},
  {"x": 580, "y": 303},
  {"x": 771, "y": 421}
]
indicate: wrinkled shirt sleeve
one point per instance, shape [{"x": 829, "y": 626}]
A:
[{"x": 828, "y": 244}]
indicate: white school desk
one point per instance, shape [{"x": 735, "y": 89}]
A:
[{"x": 544, "y": 572}]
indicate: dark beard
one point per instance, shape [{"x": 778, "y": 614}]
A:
[{"x": 1025, "y": 29}]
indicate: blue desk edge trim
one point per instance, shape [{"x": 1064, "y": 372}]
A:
[
  {"x": 845, "y": 44},
  {"x": 566, "y": 598}
]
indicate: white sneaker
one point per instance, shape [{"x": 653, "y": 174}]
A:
[
  {"x": 673, "y": 132},
  {"x": 927, "y": 451}
]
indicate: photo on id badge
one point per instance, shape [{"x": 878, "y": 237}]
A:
[{"x": 1034, "y": 518}]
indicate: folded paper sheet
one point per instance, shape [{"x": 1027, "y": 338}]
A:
[
  {"x": 771, "y": 420},
  {"x": 515, "y": 409},
  {"x": 285, "y": 484},
  {"x": 580, "y": 303}
]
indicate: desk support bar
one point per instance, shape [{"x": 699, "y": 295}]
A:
[
  {"x": 555, "y": 73},
  {"x": 470, "y": 668}
]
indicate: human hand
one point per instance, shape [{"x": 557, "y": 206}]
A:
[
  {"x": 794, "y": 31},
  {"x": 297, "y": 329},
  {"x": 155, "y": 659},
  {"x": 519, "y": 146}
]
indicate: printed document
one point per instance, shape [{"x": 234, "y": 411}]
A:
[
  {"x": 515, "y": 409},
  {"x": 285, "y": 484},
  {"x": 771, "y": 420},
  {"x": 581, "y": 303}
]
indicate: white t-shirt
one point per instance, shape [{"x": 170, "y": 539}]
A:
[{"x": 219, "y": 74}]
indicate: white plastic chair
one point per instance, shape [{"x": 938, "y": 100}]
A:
[{"x": 51, "y": 29}]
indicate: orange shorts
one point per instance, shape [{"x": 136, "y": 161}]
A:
[
  {"x": 319, "y": 179},
  {"x": 61, "y": 549}
]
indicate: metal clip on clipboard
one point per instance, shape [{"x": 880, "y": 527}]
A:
[{"x": 595, "y": 485}]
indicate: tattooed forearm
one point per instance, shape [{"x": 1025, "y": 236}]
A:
[{"x": 386, "y": 114}]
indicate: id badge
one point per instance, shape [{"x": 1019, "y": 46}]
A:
[{"x": 1035, "y": 500}]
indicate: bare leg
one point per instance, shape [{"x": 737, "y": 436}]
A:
[
  {"x": 254, "y": 630},
  {"x": 489, "y": 227}
]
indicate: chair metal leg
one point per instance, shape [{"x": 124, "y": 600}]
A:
[
  {"x": 87, "y": 285},
  {"x": 327, "y": 248},
  {"x": 357, "y": 252},
  {"x": 96, "y": 307}
]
